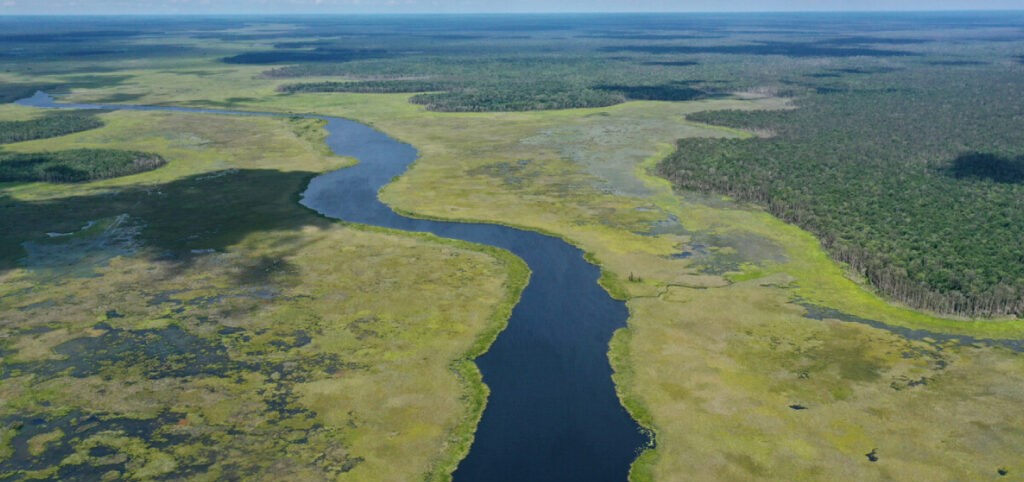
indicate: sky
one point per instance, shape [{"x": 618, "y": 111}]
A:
[{"x": 105, "y": 7}]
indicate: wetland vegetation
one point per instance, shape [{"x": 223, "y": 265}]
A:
[{"x": 147, "y": 336}]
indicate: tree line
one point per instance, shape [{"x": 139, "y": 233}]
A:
[
  {"x": 506, "y": 95},
  {"x": 913, "y": 180},
  {"x": 51, "y": 124},
  {"x": 75, "y": 165}
]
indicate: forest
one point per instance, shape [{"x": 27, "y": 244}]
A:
[
  {"x": 51, "y": 124},
  {"x": 494, "y": 95},
  {"x": 913, "y": 179},
  {"x": 75, "y": 165}
]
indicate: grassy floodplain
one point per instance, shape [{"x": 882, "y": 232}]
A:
[
  {"x": 196, "y": 321},
  {"x": 720, "y": 360},
  {"x": 718, "y": 350},
  {"x": 714, "y": 336}
]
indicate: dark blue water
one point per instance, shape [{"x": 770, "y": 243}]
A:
[{"x": 552, "y": 414}]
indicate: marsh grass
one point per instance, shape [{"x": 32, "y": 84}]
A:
[
  {"x": 711, "y": 361},
  {"x": 678, "y": 377},
  {"x": 245, "y": 335},
  {"x": 716, "y": 351}
]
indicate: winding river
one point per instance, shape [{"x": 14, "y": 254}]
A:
[{"x": 553, "y": 414}]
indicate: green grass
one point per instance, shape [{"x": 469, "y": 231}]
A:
[
  {"x": 716, "y": 348},
  {"x": 688, "y": 368},
  {"x": 332, "y": 351}
]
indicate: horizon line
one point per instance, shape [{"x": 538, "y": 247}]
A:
[{"x": 568, "y": 12}]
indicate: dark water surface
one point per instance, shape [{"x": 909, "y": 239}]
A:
[
  {"x": 816, "y": 312},
  {"x": 552, "y": 414}
]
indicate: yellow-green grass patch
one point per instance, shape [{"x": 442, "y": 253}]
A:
[
  {"x": 717, "y": 396},
  {"x": 267, "y": 341},
  {"x": 716, "y": 351}
]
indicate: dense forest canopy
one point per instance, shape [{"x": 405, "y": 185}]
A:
[
  {"x": 75, "y": 165},
  {"x": 51, "y": 124},
  {"x": 455, "y": 96},
  {"x": 913, "y": 178}
]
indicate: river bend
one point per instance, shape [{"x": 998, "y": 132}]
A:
[{"x": 552, "y": 414}]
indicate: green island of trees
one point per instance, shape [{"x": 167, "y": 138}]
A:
[
  {"x": 52, "y": 124},
  {"x": 454, "y": 96},
  {"x": 75, "y": 165}
]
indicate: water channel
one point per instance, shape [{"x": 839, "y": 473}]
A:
[{"x": 552, "y": 414}]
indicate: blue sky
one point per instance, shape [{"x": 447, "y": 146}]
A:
[{"x": 467, "y": 6}]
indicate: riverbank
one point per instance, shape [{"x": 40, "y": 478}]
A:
[
  {"x": 716, "y": 327},
  {"x": 256, "y": 339},
  {"x": 551, "y": 394}
]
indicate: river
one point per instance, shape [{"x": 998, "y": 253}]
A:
[{"x": 552, "y": 414}]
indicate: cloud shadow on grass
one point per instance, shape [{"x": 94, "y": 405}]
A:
[{"x": 176, "y": 220}]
